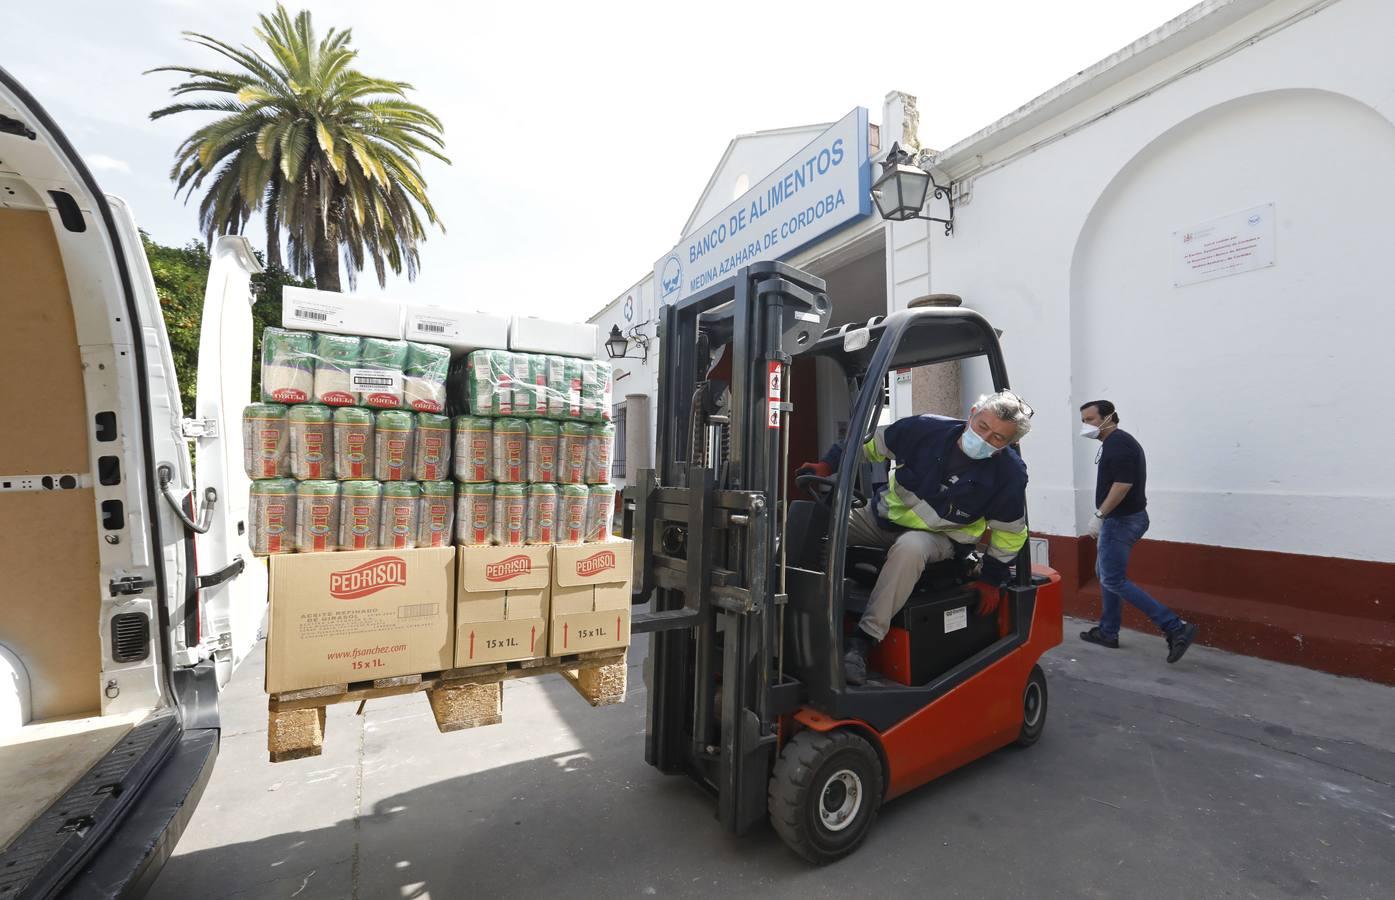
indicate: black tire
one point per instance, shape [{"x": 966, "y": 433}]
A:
[
  {"x": 825, "y": 793},
  {"x": 1033, "y": 708}
]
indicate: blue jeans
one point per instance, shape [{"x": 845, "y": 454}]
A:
[{"x": 1118, "y": 534}]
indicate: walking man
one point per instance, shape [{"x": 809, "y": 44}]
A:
[{"x": 1120, "y": 520}]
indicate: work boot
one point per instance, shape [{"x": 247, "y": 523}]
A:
[
  {"x": 1095, "y": 636},
  {"x": 1179, "y": 639},
  {"x": 860, "y": 645}
]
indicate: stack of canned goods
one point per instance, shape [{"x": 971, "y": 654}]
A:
[
  {"x": 532, "y": 449},
  {"x": 349, "y": 450}
]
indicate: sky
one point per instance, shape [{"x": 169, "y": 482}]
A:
[{"x": 580, "y": 135}]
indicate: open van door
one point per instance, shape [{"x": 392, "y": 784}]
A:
[{"x": 232, "y": 583}]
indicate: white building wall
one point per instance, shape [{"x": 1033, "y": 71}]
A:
[
  {"x": 1260, "y": 397},
  {"x": 634, "y": 307}
]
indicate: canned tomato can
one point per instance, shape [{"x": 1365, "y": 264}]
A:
[
  {"x": 474, "y": 515},
  {"x": 600, "y": 512},
  {"x": 393, "y": 453},
  {"x": 510, "y": 513},
  {"x": 571, "y": 514},
  {"x": 435, "y": 513},
  {"x": 312, "y": 441},
  {"x": 397, "y": 523},
  {"x": 359, "y": 506},
  {"x": 474, "y": 449},
  {"x": 542, "y": 514},
  {"x": 271, "y": 512},
  {"x": 316, "y": 516},
  {"x": 572, "y": 445},
  {"x": 353, "y": 443},
  {"x": 600, "y": 449},
  {"x": 432, "y": 460},
  {"x": 265, "y": 441},
  {"x": 510, "y": 450},
  {"x": 542, "y": 451}
]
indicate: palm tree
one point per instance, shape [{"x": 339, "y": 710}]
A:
[{"x": 327, "y": 153}]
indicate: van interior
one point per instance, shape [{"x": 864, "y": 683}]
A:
[{"x": 52, "y": 730}]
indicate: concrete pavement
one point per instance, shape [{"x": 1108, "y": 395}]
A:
[{"x": 1222, "y": 776}]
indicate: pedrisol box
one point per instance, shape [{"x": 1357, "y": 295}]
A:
[
  {"x": 501, "y": 603},
  {"x": 591, "y": 586},
  {"x": 359, "y": 615}
]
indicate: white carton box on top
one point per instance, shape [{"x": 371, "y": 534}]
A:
[
  {"x": 532, "y": 335},
  {"x": 456, "y": 328},
  {"x": 308, "y": 310}
]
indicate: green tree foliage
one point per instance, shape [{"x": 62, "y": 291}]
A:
[
  {"x": 325, "y": 152},
  {"x": 181, "y": 274}
]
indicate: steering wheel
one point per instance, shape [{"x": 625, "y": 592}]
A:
[{"x": 820, "y": 488}]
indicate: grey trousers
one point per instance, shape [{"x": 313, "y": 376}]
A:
[{"x": 907, "y": 554}]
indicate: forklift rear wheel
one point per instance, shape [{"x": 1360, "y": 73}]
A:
[
  {"x": 825, "y": 793},
  {"x": 1033, "y": 708}
]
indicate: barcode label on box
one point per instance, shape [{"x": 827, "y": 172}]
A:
[
  {"x": 418, "y": 610},
  {"x": 371, "y": 380},
  {"x": 423, "y": 325},
  {"x": 312, "y": 315}
]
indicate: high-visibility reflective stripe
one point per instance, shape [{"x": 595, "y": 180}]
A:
[
  {"x": 921, "y": 516},
  {"x": 876, "y": 448},
  {"x": 1004, "y": 545}
]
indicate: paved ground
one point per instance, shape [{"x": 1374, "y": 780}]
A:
[{"x": 1223, "y": 776}]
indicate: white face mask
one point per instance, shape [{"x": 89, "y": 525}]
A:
[{"x": 1093, "y": 431}]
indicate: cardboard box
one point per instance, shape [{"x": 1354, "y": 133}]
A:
[
  {"x": 310, "y": 310},
  {"x": 456, "y": 328},
  {"x": 502, "y": 604},
  {"x": 357, "y": 616},
  {"x": 532, "y": 335},
  {"x": 591, "y": 585}
]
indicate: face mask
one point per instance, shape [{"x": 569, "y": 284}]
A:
[
  {"x": 1089, "y": 431},
  {"x": 975, "y": 447}
]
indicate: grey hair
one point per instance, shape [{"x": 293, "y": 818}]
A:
[{"x": 1010, "y": 408}]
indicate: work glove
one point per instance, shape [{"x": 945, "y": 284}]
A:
[
  {"x": 1095, "y": 523},
  {"x": 820, "y": 468},
  {"x": 989, "y": 599}
]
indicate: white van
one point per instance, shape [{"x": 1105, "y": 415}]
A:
[{"x": 127, "y": 596}]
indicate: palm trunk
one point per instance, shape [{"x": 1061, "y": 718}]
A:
[{"x": 326, "y": 258}]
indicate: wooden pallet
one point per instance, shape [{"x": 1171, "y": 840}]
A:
[{"x": 459, "y": 698}]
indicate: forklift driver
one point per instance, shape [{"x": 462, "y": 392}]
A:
[{"x": 952, "y": 481}]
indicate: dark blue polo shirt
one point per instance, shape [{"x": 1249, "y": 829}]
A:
[{"x": 1122, "y": 460}]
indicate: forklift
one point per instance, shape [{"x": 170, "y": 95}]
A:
[{"x": 752, "y": 590}]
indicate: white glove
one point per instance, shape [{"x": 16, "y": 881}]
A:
[{"x": 1095, "y": 523}]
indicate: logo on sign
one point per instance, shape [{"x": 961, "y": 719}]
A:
[
  {"x": 369, "y": 578},
  {"x": 506, "y": 569},
  {"x": 630, "y": 308},
  {"x": 1254, "y": 220},
  {"x": 597, "y": 562},
  {"x": 671, "y": 279}
]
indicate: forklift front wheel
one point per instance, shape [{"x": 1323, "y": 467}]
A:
[
  {"x": 1033, "y": 708},
  {"x": 825, "y": 793}
]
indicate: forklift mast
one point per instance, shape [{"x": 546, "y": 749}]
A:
[{"x": 708, "y": 527}]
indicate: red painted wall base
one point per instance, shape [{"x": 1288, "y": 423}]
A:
[{"x": 1336, "y": 615}]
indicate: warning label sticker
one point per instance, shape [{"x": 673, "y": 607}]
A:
[{"x": 956, "y": 619}]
